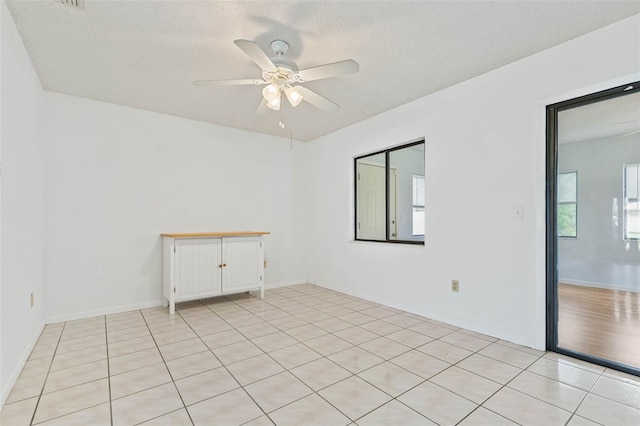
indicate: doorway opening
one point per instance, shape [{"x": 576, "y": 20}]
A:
[{"x": 593, "y": 228}]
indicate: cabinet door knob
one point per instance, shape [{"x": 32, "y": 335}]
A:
[
  {"x": 224, "y": 265},
  {"x": 220, "y": 266}
]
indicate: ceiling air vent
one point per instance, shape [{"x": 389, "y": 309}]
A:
[{"x": 76, "y": 4}]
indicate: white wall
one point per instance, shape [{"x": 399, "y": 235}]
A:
[
  {"x": 117, "y": 177},
  {"x": 485, "y": 135},
  {"x": 22, "y": 205}
]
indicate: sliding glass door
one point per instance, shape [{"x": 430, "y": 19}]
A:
[{"x": 593, "y": 236}]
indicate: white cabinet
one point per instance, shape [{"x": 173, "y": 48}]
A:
[{"x": 211, "y": 264}]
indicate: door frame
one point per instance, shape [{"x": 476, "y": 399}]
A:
[{"x": 551, "y": 215}]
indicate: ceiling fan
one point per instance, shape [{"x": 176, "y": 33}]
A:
[{"x": 282, "y": 77}]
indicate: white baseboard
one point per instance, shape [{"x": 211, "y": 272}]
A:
[
  {"x": 106, "y": 311},
  {"x": 13, "y": 377},
  {"x": 528, "y": 341}
]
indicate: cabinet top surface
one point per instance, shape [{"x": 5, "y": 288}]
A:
[{"x": 216, "y": 234}]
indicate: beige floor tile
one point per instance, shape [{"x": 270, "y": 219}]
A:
[
  {"x": 231, "y": 408},
  {"x": 133, "y": 361},
  {"x": 385, "y": 348},
  {"x": 145, "y": 405},
  {"x": 354, "y": 397},
  {"x": 75, "y": 358},
  {"x": 520, "y": 347},
  {"x": 254, "y": 369},
  {"x": 437, "y": 404},
  {"x": 129, "y": 346},
  {"x": 511, "y": 356},
  {"x": 210, "y": 327},
  {"x": 625, "y": 377},
  {"x": 404, "y": 320},
  {"x": 81, "y": 343},
  {"x": 223, "y": 338},
  {"x": 390, "y": 378},
  {"x": 356, "y": 335},
  {"x": 305, "y": 332},
  {"x": 564, "y": 373},
  {"x": 205, "y": 385},
  {"x": 175, "y": 418},
  {"x": 73, "y": 399},
  {"x": 445, "y": 351},
  {"x": 180, "y": 349},
  {"x": 257, "y": 330},
  {"x": 275, "y": 341},
  {"x": 309, "y": 411},
  {"x": 43, "y": 350},
  {"x": 36, "y": 367},
  {"x": 622, "y": 392},
  {"x": 466, "y": 384},
  {"x": 357, "y": 318},
  {"x": 466, "y": 341},
  {"x": 380, "y": 327},
  {"x": 139, "y": 380},
  {"x": 73, "y": 376},
  {"x": 379, "y": 312},
  {"x": 287, "y": 323},
  {"x": 294, "y": 355},
  {"x": 419, "y": 363},
  {"x": 289, "y": 389},
  {"x": 26, "y": 387},
  {"x": 548, "y": 390},
  {"x": 99, "y": 415},
  {"x": 483, "y": 417},
  {"x": 432, "y": 330},
  {"x": 313, "y": 316},
  {"x": 260, "y": 421},
  {"x": 192, "y": 364},
  {"x": 328, "y": 344},
  {"x": 128, "y": 333},
  {"x": 355, "y": 359},
  {"x": 394, "y": 413},
  {"x": 333, "y": 324},
  {"x": 18, "y": 413},
  {"x": 574, "y": 362},
  {"x": 320, "y": 373},
  {"x": 490, "y": 368},
  {"x": 244, "y": 320},
  {"x": 69, "y": 334},
  {"x": 525, "y": 409},
  {"x": 168, "y": 325},
  {"x": 581, "y": 421},
  {"x": 173, "y": 336},
  {"x": 409, "y": 338},
  {"x": 237, "y": 352}
]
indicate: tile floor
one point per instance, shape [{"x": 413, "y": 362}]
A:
[{"x": 303, "y": 356}]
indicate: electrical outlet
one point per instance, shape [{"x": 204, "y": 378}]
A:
[
  {"x": 455, "y": 286},
  {"x": 32, "y": 299}
]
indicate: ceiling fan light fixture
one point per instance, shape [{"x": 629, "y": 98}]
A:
[
  {"x": 294, "y": 96},
  {"x": 274, "y": 103},
  {"x": 271, "y": 92}
]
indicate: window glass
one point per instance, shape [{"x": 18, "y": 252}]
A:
[
  {"x": 632, "y": 201},
  {"x": 390, "y": 194},
  {"x": 568, "y": 204}
]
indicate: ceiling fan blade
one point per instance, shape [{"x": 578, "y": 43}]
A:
[
  {"x": 257, "y": 55},
  {"x": 316, "y": 100},
  {"x": 262, "y": 108},
  {"x": 240, "y": 82},
  {"x": 348, "y": 66}
]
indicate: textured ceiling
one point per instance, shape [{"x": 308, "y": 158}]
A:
[{"x": 145, "y": 54}]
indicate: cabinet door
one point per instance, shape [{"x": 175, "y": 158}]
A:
[
  {"x": 197, "y": 267},
  {"x": 243, "y": 269}
]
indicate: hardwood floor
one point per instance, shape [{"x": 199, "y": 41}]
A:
[{"x": 600, "y": 322}]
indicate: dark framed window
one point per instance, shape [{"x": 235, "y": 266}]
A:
[
  {"x": 568, "y": 204},
  {"x": 390, "y": 195},
  {"x": 631, "y": 201}
]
